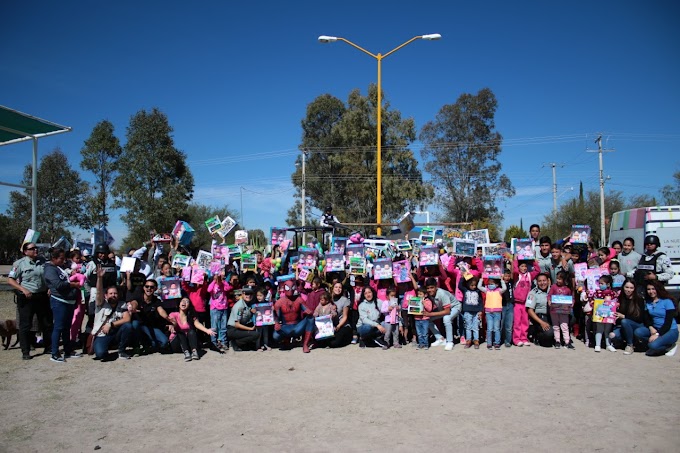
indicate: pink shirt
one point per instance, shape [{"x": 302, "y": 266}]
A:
[
  {"x": 182, "y": 327},
  {"x": 218, "y": 295}
]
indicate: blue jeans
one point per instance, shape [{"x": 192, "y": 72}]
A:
[
  {"x": 493, "y": 326},
  {"x": 448, "y": 325},
  {"x": 150, "y": 335},
  {"x": 120, "y": 334},
  {"x": 294, "y": 330},
  {"x": 218, "y": 322},
  {"x": 62, "y": 314},
  {"x": 422, "y": 327},
  {"x": 367, "y": 332},
  {"x": 506, "y": 323},
  {"x": 471, "y": 326},
  {"x": 627, "y": 330},
  {"x": 659, "y": 346}
]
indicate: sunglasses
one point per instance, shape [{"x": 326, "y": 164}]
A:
[
  {"x": 150, "y": 286},
  {"x": 31, "y": 248}
]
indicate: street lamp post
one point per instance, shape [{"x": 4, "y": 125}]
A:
[{"x": 379, "y": 58}]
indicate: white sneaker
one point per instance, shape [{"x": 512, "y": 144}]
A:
[
  {"x": 672, "y": 352},
  {"x": 628, "y": 351},
  {"x": 448, "y": 347},
  {"x": 611, "y": 348},
  {"x": 526, "y": 343},
  {"x": 598, "y": 349},
  {"x": 439, "y": 342}
]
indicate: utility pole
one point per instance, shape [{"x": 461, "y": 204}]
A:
[
  {"x": 242, "y": 222},
  {"x": 603, "y": 233},
  {"x": 304, "y": 196},
  {"x": 554, "y": 166}
]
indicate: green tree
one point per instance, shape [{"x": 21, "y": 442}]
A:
[
  {"x": 156, "y": 184},
  {"x": 61, "y": 197},
  {"x": 339, "y": 142},
  {"x": 514, "y": 231},
  {"x": 671, "y": 192},
  {"x": 641, "y": 201},
  {"x": 257, "y": 238},
  {"x": 10, "y": 239},
  {"x": 100, "y": 157},
  {"x": 584, "y": 211},
  {"x": 461, "y": 154}
]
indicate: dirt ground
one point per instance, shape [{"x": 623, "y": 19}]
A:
[{"x": 342, "y": 400}]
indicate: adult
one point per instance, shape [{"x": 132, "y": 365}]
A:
[
  {"x": 629, "y": 315},
  {"x": 660, "y": 330},
  {"x": 535, "y": 234},
  {"x": 537, "y": 309},
  {"x": 134, "y": 282},
  {"x": 142, "y": 255},
  {"x": 150, "y": 320},
  {"x": 112, "y": 320},
  {"x": 183, "y": 331},
  {"x": 628, "y": 257},
  {"x": 544, "y": 255},
  {"x": 343, "y": 330},
  {"x": 101, "y": 260},
  {"x": 328, "y": 220},
  {"x": 447, "y": 309},
  {"x": 241, "y": 330},
  {"x": 292, "y": 318},
  {"x": 198, "y": 297},
  {"x": 26, "y": 277},
  {"x": 653, "y": 265},
  {"x": 369, "y": 326},
  {"x": 63, "y": 295},
  {"x": 560, "y": 260}
]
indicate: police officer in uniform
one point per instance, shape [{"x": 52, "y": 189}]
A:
[
  {"x": 328, "y": 220},
  {"x": 653, "y": 265},
  {"x": 26, "y": 277}
]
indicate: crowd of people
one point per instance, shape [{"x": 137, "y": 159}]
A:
[{"x": 74, "y": 301}]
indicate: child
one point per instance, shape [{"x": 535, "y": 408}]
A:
[
  {"x": 406, "y": 291},
  {"x": 423, "y": 322},
  {"x": 218, "y": 311},
  {"x": 493, "y": 306},
  {"x": 326, "y": 307},
  {"x": 390, "y": 309},
  {"x": 77, "y": 275},
  {"x": 559, "y": 313},
  {"x": 357, "y": 289},
  {"x": 615, "y": 272},
  {"x": 523, "y": 278},
  {"x": 265, "y": 331},
  {"x": 508, "y": 308},
  {"x": 472, "y": 310},
  {"x": 604, "y": 292}
]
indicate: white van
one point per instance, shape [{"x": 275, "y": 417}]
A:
[{"x": 664, "y": 221}]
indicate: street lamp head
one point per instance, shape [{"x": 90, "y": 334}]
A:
[
  {"x": 325, "y": 39},
  {"x": 432, "y": 37}
]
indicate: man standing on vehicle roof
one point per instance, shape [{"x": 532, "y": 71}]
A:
[
  {"x": 654, "y": 265},
  {"x": 328, "y": 220}
]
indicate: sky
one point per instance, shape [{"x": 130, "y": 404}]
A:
[{"x": 235, "y": 78}]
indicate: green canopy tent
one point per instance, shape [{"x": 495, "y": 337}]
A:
[{"x": 16, "y": 127}]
